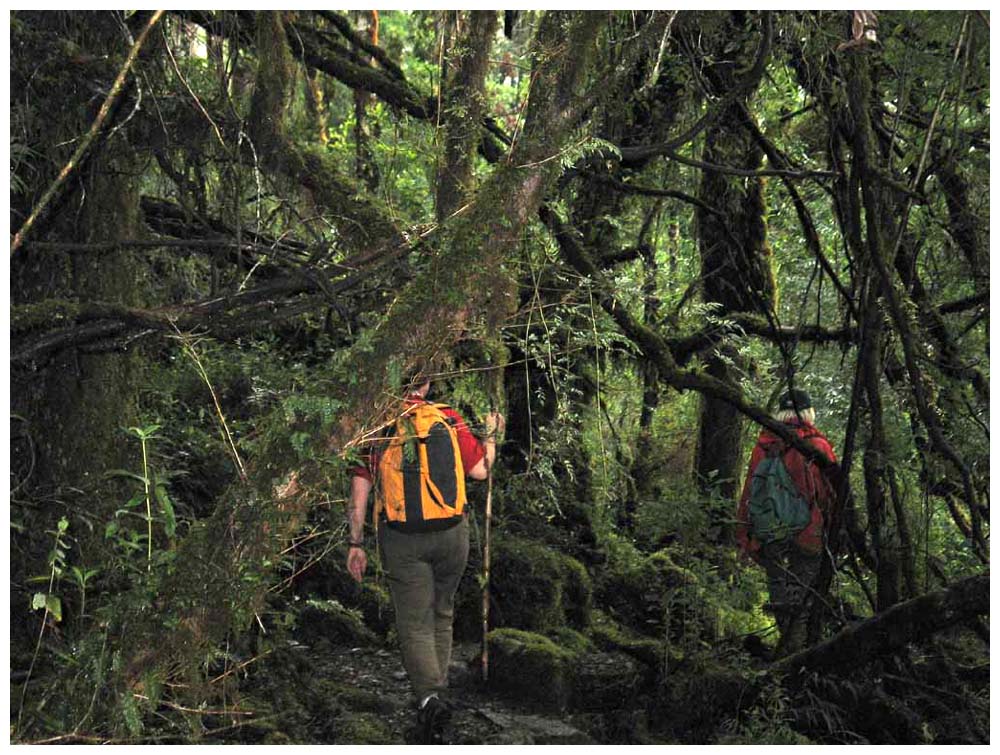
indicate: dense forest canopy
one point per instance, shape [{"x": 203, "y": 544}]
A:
[{"x": 235, "y": 233}]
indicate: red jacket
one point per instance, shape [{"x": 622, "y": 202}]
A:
[{"x": 808, "y": 478}]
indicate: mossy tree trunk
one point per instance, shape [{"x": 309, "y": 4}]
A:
[
  {"x": 735, "y": 257},
  {"x": 78, "y": 406},
  {"x": 463, "y": 105}
]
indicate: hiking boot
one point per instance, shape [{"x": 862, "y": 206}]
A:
[{"x": 433, "y": 718}]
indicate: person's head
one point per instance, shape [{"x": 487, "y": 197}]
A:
[
  {"x": 418, "y": 380},
  {"x": 795, "y": 405}
]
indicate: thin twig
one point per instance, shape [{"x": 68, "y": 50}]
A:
[
  {"x": 226, "y": 435},
  {"x": 177, "y": 70},
  {"x": 243, "y": 665}
]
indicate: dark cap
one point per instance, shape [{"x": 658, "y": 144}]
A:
[
  {"x": 419, "y": 373},
  {"x": 794, "y": 400}
]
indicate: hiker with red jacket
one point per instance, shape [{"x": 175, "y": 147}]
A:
[
  {"x": 783, "y": 514},
  {"x": 418, "y": 469}
]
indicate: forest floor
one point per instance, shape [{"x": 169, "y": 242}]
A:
[{"x": 361, "y": 695}]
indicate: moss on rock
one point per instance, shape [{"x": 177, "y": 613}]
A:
[
  {"x": 329, "y": 579},
  {"x": 530, "y": 667},
  {"x": 703, "y": 693},
  {"x": 638, "y": 590},
  {"x": 577, "y": 592},
  {"x": 526, "y": 586},
  {"x": 329, "y": 620},
  {"x": 536, "y": 588},
  {"x": 571, "y": 640},
  {"x": 611, "y": 636}
]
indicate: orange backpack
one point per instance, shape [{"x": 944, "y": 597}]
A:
[{"x": 421, "y": 480}]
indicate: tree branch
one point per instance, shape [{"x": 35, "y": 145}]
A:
[
  {"x": 903, "y": 623},
  {"x": 656, "y": 348}
]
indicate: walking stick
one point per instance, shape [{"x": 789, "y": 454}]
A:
[
  {"x": 485, "y": 659},
  {"x": 494, "y": 376},
  {"x": 486, "y": 573}
]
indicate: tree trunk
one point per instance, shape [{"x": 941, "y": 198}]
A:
[
  {"x": 463, "y": 107},
  {"x": 735, "y": 257},
  {"x": 78, "y": 407}
]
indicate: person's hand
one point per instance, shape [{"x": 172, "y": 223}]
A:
[
  {"x": 357, "y": 562},
  {"x": 495, "y": 424}
]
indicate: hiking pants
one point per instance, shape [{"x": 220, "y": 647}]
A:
[
  {"x": 423, "y": 572},
  {"x": 791, "y": 576}
]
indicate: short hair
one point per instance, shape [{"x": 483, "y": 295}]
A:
[{"x": 790, "y": 415}]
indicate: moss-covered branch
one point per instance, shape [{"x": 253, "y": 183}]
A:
[{"x": 910, "y": 621}]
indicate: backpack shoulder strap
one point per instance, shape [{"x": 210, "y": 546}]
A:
[{"x": 775, "y": 449}]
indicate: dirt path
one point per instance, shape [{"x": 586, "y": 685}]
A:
[{"x": 376, "y": 673}]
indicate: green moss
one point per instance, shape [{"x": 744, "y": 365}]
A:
[
  {"x": 571, "y": 640},
  {"x": 577, "y": 592},
  {"x": 329, "y": 620},
  {"x": 530, "y": 668},
  {"x": 47, "y": 314},
  {"x": 639, "y": 589},
  {"x": 365, "y": 729},
  {"x": 526, "y": 587},
  {"x": 611, "y": 636}
]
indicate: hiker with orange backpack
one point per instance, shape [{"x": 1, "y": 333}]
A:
[
  {"x": 418, "y": 469},
  {"x": 783, "y": 515}
]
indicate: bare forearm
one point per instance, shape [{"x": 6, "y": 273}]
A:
[{"x": 357, "y": 504}]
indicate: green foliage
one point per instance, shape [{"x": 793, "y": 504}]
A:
[{"x": 158, "y": 564}]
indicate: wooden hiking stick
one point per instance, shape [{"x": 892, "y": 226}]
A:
[
  {"x": 485, "y": 658},
  {"x": 485, "y": 662}
]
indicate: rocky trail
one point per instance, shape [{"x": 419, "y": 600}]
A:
[{"x": 360, "y": 695}]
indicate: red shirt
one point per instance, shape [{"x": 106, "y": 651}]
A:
[
  {"x": 806, "y": 475},
  {"x": 471, "y": 449}
]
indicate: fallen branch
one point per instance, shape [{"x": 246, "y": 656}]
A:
[{"x": 903, "y": 623}]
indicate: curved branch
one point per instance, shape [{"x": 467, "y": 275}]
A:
[
  {"x": 737, "y": 323},
  {"x": 343, "y": 25},
  {"x": 650, "y": 191},
  {"x": 749, "y": 81}
]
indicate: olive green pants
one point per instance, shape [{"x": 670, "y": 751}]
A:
[{"x": 423, "y": 571}]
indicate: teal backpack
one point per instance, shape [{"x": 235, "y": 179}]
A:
[{"x": 777, "y": 510}]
